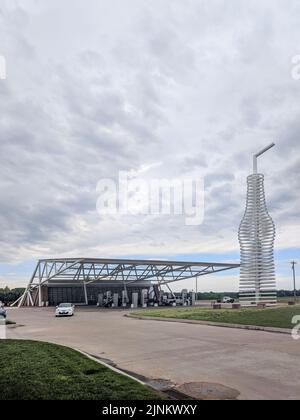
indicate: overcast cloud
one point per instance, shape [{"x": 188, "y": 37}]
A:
[{"x": 192, "y": 87}]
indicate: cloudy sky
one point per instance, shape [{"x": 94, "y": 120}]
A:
[{"x": 182, "y": 88}]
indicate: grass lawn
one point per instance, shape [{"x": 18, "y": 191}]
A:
[
  {"x": 270, "y": 317},
  {"x": 35, "y": 370}
]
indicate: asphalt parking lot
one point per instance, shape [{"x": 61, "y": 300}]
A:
[{"x": 259, "y": 365}]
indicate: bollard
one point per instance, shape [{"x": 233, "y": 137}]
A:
[
  {"x": 116, "y": 299},
  {"x": 135, "y": 299}
]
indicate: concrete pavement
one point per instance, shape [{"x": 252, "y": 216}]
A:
[{"x": 258, "y": 364}]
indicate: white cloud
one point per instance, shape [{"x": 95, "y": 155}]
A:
[{"x": 98, "y": 87}]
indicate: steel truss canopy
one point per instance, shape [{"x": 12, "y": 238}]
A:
[{"x": 89, "y": 270}]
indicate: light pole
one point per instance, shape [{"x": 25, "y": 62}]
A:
[{"x": 294, "y": 278}]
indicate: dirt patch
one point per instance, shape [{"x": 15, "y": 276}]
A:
[{"x": 208, "y": 391}]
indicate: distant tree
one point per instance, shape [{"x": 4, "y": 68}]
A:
[{"x": 8, "y": 296}]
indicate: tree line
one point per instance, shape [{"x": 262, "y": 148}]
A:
[
  {"x": 235, "y": 295},
  {"x": 8, "y": 296}
]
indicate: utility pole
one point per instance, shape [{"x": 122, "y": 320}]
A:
[{"x": 294, "y": 278}]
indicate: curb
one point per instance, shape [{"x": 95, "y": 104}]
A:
[
  {"x": 164, "y": 393},
  {"x": 114, "y": 369},
  {"x": 213, "y": 324}
]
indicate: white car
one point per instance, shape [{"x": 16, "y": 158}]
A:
[
  {"x": 228, "y": 299},
  {"x": 65, "y": 309}
]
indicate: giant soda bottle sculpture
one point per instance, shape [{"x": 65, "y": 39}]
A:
[{"x": 256, "y": 237}]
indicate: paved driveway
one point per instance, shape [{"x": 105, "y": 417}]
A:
[{"x": 259, "y": 365}]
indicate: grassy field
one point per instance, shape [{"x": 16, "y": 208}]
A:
[
  {"x": 35, "y": 370},
  {"x": 270, "y": 317}
]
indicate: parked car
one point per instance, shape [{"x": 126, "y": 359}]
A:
[
  {"x": 2, "y": 313},
  {"x": 65, "y": 309},
  {"x": 228, "y": 299}
]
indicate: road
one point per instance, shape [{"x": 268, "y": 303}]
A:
[{"x": 260, "y": 365}]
